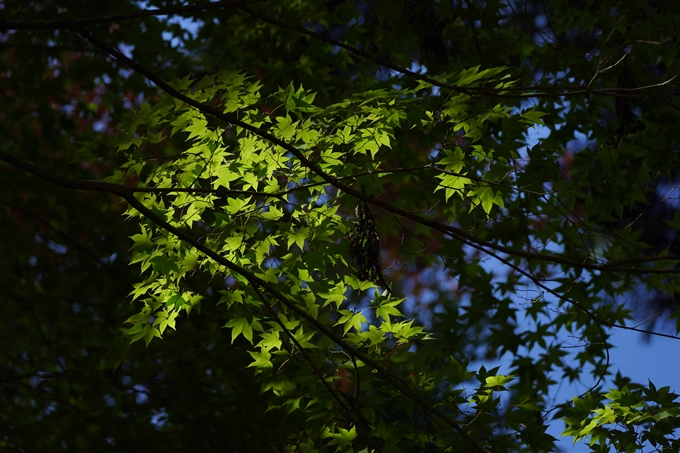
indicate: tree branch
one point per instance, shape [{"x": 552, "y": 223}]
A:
[
  {"x": 317, "y": 371},
  {"x": 532, "y": 91},
  {"x": 170, "y": 190},
  {"x": 77, "y": 23}
]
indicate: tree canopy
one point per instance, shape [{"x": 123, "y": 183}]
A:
[{"x": 321, "y": 226}]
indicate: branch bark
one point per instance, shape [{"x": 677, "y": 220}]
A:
[{"x": 71, "y": 24}]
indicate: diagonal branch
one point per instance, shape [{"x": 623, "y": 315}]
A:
[
  {"x": 523, "y": 92},
  {"x": 317, "y": 371},
  {"x": 170, "y": 190},
  {"x": 66, "y": 24},
  {"x": 359, "y": 52},
  {"x": 475, "y": 39}
]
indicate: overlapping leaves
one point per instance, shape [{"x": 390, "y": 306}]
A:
[{"x": 261, "y": 209}]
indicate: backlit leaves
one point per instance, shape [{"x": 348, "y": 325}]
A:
[
  {"x": 259, "y": 207},
  {"x": 283, "y": 241}
]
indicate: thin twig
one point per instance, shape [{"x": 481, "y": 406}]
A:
[{"x": 71, "y": 24}]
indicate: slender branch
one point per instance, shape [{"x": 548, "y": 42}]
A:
[
  {"x": 532, "y": 91},
  {"x": 170, "y": 190},
  {"x": 315, "y": 368},
  {"x": 452, "y": 231},
  {"x": 69, "y": 183},
  {"x": 47, "y": 48},
  {"x": 69, "y": 239},
  {"x": 77, "y": 23},
  {"x": 648, "y": 332},
  {"x": 359, "y": 52},
  {"x": 480, "y": 54},
  {"x": 598, "y": 322}
]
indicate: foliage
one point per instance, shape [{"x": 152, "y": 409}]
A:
[{"x": 352, "y": 213}]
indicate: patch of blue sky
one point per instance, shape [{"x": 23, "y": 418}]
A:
[
  {"x": 189, "y": 27},
  {"x": 669, "y": 193},
  {"x": 59, "y": 249},
  {"x": 141, "y": 393}
]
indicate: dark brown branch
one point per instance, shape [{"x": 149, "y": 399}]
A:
[
  {"x": 66, "y": 237},
  {"x": 359, "y": 52},
  {"x": 317, "y": 371},
  {"x": 47, "y": 48},
  {"x": 598, "y": 322},
  {"x": 96, "y": 186},
  {"x": 480, "y": 54},
  {"x": 170, "y": 190},
  {"x": 77, "y": 23},
  {"x": 75, "y": 243}
]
